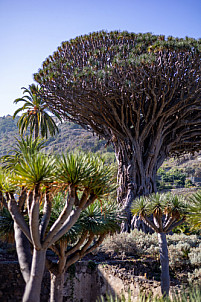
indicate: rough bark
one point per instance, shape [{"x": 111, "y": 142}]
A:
[
  {"x": 164, "y": 260},
  {"x": 136, "y": 177},
  {"x": 33, "y": 286}
]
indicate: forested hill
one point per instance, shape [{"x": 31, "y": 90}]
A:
[
  {"x": 70, "y": 137},
  {"x": 174, "y": 172}
]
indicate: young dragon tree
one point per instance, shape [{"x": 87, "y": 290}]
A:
[
  {"x": 33, "y": 173},
  {"x": 24, "y": 147},
  {"x": 194, "y": 211},
  {"x": 93, "y": 225},
  {"x": 82, "y": 177},
  {"x": 141, "y": 92},
  {"x": 168, "y": 212}
]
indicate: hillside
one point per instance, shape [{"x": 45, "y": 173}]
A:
[
  {"x": 174, "y": 173},
  {"x": 8, "y": 131},
  {"x": 70, "y": 137}
]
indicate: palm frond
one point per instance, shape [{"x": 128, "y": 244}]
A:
[
  {"x": 101, "y": 217},
  {"x": 147, "y": 205},
  {"x": 36, "y": 113},
  {"x": 175, "y": 203}
]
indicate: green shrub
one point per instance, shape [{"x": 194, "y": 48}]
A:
[
  {"x": 170, "y": 179},
  {"x": 184, "y": 251},
  {"x": 188, "y": 183}
]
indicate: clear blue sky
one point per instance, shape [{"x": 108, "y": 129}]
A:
[{"x": 31, "y": 30}]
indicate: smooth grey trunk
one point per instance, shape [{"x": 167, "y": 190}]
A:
[
  {"x": 23, "y": 252},
  {"x": 56, "y": 289},
  {"x": 164, "y": 260},
  {"x": 33, "y": 286}
]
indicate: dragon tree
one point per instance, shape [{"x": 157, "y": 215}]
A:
[{"x": 140, "y": 92}]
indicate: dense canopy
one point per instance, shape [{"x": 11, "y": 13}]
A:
[
  {"x": 142, "y": 92},
  {"x": 128, "y": 85}
]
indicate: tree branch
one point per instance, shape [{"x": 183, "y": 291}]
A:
[
  {"x": 46, "y": 216},
  {"x": 17, "y": 216},
  {"x": 174, "y": 225},
  {"x": 78, "y": 244},
  {"x": 150, "y": 223},
  {"x": 34, "y": 221},
  {"x": 79, "y": 254},
  {"x": 61, "y": 219}
]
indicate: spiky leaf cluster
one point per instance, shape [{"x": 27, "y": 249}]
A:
[
  {"x": 37, "y": 169},
  {"x": 98, "y": 218},
  {"x": 85, "y": 171},
  {"x": 168, "y": 211},
  {"x": 23, "y": 146},
  {"x": 194, "y": 208}
]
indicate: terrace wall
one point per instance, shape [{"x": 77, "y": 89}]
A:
[{"x": 84, "y": 283}]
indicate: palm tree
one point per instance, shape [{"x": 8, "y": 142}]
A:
[
  {"x": 93, "y": 225},
  {"x": 84, "y": 180},
  {"x": 194, "y": 211},
  {"x": 168, "y": 212},
  {"x": 36, "y": 115}
]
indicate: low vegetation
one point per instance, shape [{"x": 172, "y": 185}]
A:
[{"x": 184, "y": 253}]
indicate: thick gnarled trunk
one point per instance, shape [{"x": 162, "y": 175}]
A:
[{"x": 136, "y": 177}]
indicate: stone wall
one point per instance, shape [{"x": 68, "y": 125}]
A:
[
  {"x": 12, "y": 283},
  {"x": 84, "y": 282},
  {"x": 87, "y": 283}
]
